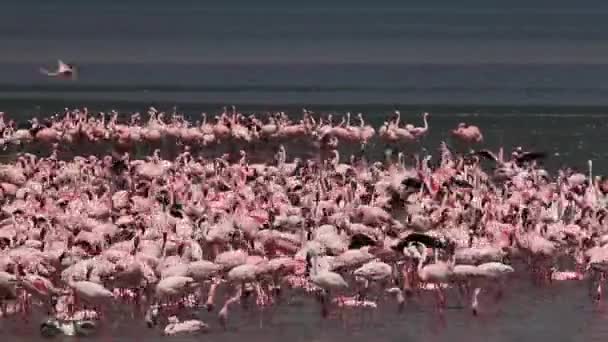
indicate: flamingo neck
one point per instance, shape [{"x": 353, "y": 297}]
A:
[
  {"x": 315, "y": 265},
  {"x": 423, "y": 257}
]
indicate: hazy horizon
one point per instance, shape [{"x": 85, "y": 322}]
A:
[
  {"x": 278, "y": 52},
  {"x": 411, "y": 32}
]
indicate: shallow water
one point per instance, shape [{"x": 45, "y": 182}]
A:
[
  {"x": 569, "y": 139},
  {"x": 559, "y": 312}
]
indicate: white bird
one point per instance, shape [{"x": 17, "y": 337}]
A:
[
  {"x": 91, "y": 292},
  {"x": 64, "y": 71},
  {"x": 374, "y": 271},
  {"x": 325, "y": 279},
  {"x": 174, "y": 286},
  {"x": 352, "y": 258},
  {"x": 494, "y": 269},
  {"x": 231, "y": 259},
  {"x": 437, "y": 273},
  {"x": 192, "y": 326},
  {"x": 243, "y": 273},
  {"x": 463, "y": 273},
  {"x": 202, "y": 270}
]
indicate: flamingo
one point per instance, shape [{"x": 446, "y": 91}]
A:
[
  {"x": 327, "y": 280},
  {"x": 64, "y": 71}
]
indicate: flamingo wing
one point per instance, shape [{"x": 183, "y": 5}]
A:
[
  {"x": 486, "y": 154},
  {"x": 412, "y": 183},
  {"x": 427, "y": 240},
  {"x": 62, "y": 67},
  {"x": 461, "y": 183},
  {"x": 48, "y": 73},
  {"x": 528, "y": 156},
  {"x": 360, "y": 240}
]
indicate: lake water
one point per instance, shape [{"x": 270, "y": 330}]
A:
[
  {"x": 527, "y": 74},
  {"x": 561, "y": 312}
]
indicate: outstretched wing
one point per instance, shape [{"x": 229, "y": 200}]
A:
[
  {"x": 529, "y": 156},
  {"x": 486, "y": 154},
  {"x": 412, "y": 183},
  {"x": 62, "y": 67},
  {"x": 427, "y": 240},
  {"x": 48, "y": 73},
  {"x": 461, "y": 183},
  {"x": 360, "y": 240}
]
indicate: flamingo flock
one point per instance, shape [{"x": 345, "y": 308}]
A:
[
  {"x": 79, "y": 126},
  {"x": 89, "y": 239}
]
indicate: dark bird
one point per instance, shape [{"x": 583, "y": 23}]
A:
[
  {"x": 361, "y": 240},
  {"x": 486, "y": 154},
  {"x": 461, "y": 183},
  {"x": 525, "y": 157},
  {"x": 118, "y": 166},
  {"x": 427, "y": 240},
  {"x": 412, "y": 183},
  {"x": 176, "y": 210}
]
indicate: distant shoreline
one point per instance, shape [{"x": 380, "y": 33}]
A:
[{"x": 57, "y": 102}]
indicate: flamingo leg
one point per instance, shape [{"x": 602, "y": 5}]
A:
[
  {"x": 599, "y": 290},
  {"x": 223, "y": 314},
  {"x": 211, "y": 296}
]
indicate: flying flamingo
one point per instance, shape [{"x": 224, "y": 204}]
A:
[{"x": 64, "y": 71}]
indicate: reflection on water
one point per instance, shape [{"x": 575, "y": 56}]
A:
[{"x": 559, "y": 312}]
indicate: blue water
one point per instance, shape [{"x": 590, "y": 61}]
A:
[
  {"x": 494, "y": 84},
  {"x": 271, "y": 52}
]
